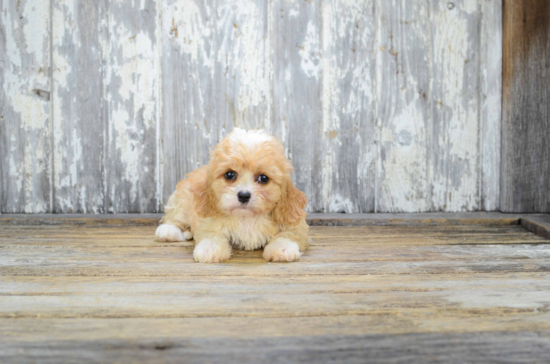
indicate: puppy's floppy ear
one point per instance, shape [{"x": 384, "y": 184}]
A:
[
  {"x": 204, "y": 203},
  {"x": 290, "y": 208}
]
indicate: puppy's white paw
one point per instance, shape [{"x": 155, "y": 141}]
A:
[
  {"x": 167, "y": 232},
  {"x": 210, "y": 251},
  {"x": 187, "y": 235},
  {"x": 282, "y": 250}
]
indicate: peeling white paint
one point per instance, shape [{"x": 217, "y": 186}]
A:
[{"x": 311, "y": 61}]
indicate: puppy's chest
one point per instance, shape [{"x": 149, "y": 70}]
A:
[{"x": 250, "y": 233}]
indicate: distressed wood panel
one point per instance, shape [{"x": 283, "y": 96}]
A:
[
  {"x": 525, "y": 168},
  {"x": 403, "y": 110},
  {"x": 132, "y": 86},
  {"x": 455, "y": 148},
  {"x": 215, "y": 77},
  {"x": 348, "y": 125},
  {"x": 467, "y": 347},
  {"x": 79, "y": 117},
  {"x": 25, "y": 132},
  {"x": 297, "y": 92},
  {"x": 490, "y": 99},
  {"x": 382, "y": 106}
]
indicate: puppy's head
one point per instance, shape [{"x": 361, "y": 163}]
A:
[{"x": 249, "y": 175}]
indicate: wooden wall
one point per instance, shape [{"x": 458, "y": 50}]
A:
[
  {"x": 526, "y": 107},
  {"x": 383, "y": 105}
]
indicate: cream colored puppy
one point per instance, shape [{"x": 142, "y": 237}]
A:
[{"x": 243, "y": 199}]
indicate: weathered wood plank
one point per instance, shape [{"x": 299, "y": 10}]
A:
[
  {"x": 216, "y": 76},
  {"x": 455, "y": 163},
  {"x": 76, "y": 297},
  {"x": 348, "y": 130},
  {"x": 132, "y": 88},
  {"x": 78, "y": 105},
  {"x": 525, "y": 164},
  {"x": 478, "y": 347},
  {"x": 297, "y": 92},
  {"x": 490, "y": 99},
  {"x": 321, "y": 219},
  {"x": 25, "y": 135},
  {"x": 371, "y": 236},
  {"x": 539, "y": 225},
  {"x": 403, "y": 107},
  {"x": 26, "y": 330}
]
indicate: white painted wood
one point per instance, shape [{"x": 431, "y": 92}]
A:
[
  {"x": 348, "y": 132},
  {"x": 491, "y": 103},
  {"x": 455, "y": 145},
  {"x": 131, "y": 91},
  {"x": 78, "y": 106},
  {"x": 404, "y": 97},
  {"x": 24, "y": 106},
  {"x": 387, "y": 106}
]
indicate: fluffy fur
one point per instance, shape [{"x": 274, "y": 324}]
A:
[{"x": 206, "y": 206}]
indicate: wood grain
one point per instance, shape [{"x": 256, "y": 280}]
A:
[
  {"x": 25, "y": 130},
  {"x": 381, "y": 106},
  {"x": 525, "y": 165},
  {"x": 79, "y": 119},
  {"x": 132, "y": 87},
  {"x": 100, "y": 292},
  {"x": 348, "y": 130},
  {"x": 404, "y": 79}
]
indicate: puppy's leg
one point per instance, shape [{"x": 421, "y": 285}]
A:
[
  {"x": 213, "y": 249},
  {"x": 288, "y": 245},
  {"x": 175, "y": 225}
]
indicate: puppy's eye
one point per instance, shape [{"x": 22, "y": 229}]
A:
[
  {"x": 230, "y": 176},
  {"x": 262, "y": 178}
]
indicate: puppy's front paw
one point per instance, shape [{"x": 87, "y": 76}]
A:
[
  {"x": 282, "y": 250},
  {"x": 210, "y": 251},
  {"x": 166, "y": 232}
]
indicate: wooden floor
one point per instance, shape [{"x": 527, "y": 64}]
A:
[{"x": 103, "y": 290}]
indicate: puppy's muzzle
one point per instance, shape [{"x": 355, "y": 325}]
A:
[{"x": 244, "y": 196}]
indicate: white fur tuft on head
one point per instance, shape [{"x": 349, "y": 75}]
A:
[{"x": 249, "y": 138}]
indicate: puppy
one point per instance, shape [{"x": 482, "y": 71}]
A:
[{"x": 244, "y": 198}]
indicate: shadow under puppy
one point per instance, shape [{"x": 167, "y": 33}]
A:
[{"x": 244, "y": 198}]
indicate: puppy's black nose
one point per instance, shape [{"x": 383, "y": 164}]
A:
[{"x": 244, "y": 196}]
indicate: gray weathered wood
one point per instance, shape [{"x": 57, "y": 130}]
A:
[
  {"x": 297, "y": 92},
  {"x": 25, "y": 131},
  {"x": 79, "y": 118},
  {"x": 525, "y": 168},
  {"x": 394, "y": 293},
  {"x": 132, "y": 87},
  {"x": 455, "y": 140},
  {"x": 471, "y": 347},
  {"x": 490, "y": 100},
  {"x": 404, "y": 98},
  {"x": 382, "y": 106},
  {"x": 348, "y": 133}
]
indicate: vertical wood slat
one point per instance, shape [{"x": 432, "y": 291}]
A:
[
  {"x": 403, "y": 110},
  {"x": 455, "y": 163},
  {"x": 348, "y": 131},
  {"x": 215, "y": 77},
  {"x": 132, "y": 92},
  {"x": 77, "y": 102},
  {"x": 297, "y": 90},
  {"x": 24, "y": 106},
  {"x": 490, "y": 74},
  {"x": 525, "y": 164}
]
